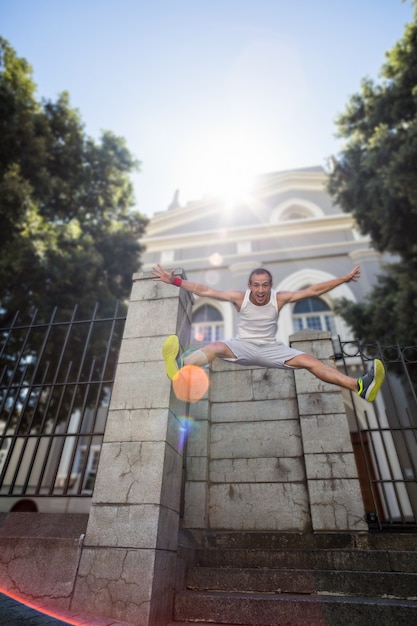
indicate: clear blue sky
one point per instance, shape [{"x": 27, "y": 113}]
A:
[{"x": 203, "y": 89}]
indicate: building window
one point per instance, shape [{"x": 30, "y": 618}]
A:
[
  {"x": 313, "y": 313},
  {"x": 207, "y": 324},
  {"x": 295, "y": 212}
]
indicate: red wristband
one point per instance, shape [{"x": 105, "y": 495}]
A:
[{"x": 177, "y": 281}]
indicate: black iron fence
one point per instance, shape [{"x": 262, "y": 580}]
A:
[
  {"x": 55, "y": 384},
  {"x": 56, "y": 379},
  {"x": 384, "y": 434}
]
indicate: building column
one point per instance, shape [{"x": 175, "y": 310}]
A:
[
  {"x": 128, "y": 561},
  {"x": 336, "y": 503}
]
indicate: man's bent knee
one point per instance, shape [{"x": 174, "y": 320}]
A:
[{"x": 219, "y": 349}]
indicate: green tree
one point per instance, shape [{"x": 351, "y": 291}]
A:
[
  {"x": 68, "y": 237},
  {"x": 68, "y": 232},
  {"x": 375, "y": 179}
]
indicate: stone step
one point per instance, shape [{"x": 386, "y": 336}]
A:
[
  {"x": 257, "y": 609},
  {"x": 354, "y": 583},
  {"x": 310, "y": 541},
  {"x": 320, "y": 559}
]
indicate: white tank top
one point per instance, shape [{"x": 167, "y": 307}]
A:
[{"x": 258, "y": 324}]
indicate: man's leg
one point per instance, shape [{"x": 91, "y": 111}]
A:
[
  {"x": 208, "y": 353},
  {"x": 323, "y": 372},
  {"x": 367, "y": 386},
  {"x": 200, "y": 357}
]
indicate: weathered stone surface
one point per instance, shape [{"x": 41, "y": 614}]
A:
[
  {"x": 197, "y": 468},
  {"x": 315, "y": 342},
  {"x": 116, "y": 582},
  {"x": 260, "y": 506},
  {"x": 142, "y": 316},
  {"x": 325, "y": 433},
  {"x": 234, "y": 385},
  {"x": 331, "y": 465},
  {"x": 40, "y": 569},
  {"x": 336, "y": 504},
  {"x": 252, "y": 440},
  {"x": 257, "y": 470},
  {"x": 130, "y": 473},
  {"x": 141, "y": 349},
  {"x": 196, "y": 502},
  {"x": 273, "y": 384},
  {"x": 140, "y": 385},
  {"x": 321, "y": 403},
  {"x": 255, "y": 411},
  {"x": 309, "y": 384},
  {"x": 142, "y": 425},
  {"x": 198, "y": 438},
  {"x": 136, "y": 526}
]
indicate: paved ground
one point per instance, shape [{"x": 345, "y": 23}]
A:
[{"x": 14, "y": 613}]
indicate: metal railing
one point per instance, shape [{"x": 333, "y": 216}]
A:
[
  {"x": 55, "y": 384},
  {"x": 385, "y": 434}
]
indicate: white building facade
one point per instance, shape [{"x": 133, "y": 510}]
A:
[{"x": 288, "y": 224}]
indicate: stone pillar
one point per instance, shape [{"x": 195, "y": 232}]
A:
[
  {"x": 128, "y": 562},
  {"x": 336, "y": 503}
]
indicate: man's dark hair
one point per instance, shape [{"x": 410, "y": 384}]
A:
[{"x": 260, "y": 270}]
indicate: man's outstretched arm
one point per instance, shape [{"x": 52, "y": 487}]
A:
[
  {"x": 317, "y": 290},
  {"x": 198, "y": 289}
]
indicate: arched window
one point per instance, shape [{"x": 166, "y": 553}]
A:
[
  {"x": 295, "y": 212},
  {"x": 207, "y": 324},
  {"x": 313, "y": 313}
]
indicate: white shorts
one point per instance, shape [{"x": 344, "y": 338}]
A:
[{"x": 273, "y": 354}]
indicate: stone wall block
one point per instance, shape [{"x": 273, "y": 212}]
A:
[
  {"x": 234, "y": 385},
  {"x": 315, "y": 342},
  {"x": 133, "y": 473},
  {"x": 198, "y": 439},
  {"x": 163, "y": 588},
  {"x": 197, "y": 468},
  {"x": 195, "y": 509},
  {"x": 336, "y": 504},
  {"x": 132, "y": 525},
  {"x": 259, "y": 411},
  {"x": 261, "y": 506},
  {"x": 259, "y": 470},
  {"x": 253, "y": 440},
  {"x": 141, "y": 349},
  {"x": 325, "y": 433},
  {"x": 141, "y": 318},
  {"x": 319, "y": 403},
  {"x": 120, "y": 574},
  {"x": 331, "y": 465},
  {"x": 137, "y": 424},
  {"x": 141, "y": 385},
  {"x": 129, "y": 473},
  {"x": 273, "y": 383},
  {"x": 308, "y": 384}
]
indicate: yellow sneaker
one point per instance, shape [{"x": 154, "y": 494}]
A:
[
  {"x": 170, "y": 349},
  {"x": 370, "y": 383}
]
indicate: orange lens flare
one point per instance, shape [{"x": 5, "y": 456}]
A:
[{"x": 191, "y": 383}]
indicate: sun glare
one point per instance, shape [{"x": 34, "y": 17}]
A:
[{"x": 222, "y": 166}]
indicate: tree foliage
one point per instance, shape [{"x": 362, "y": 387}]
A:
[
  {"x": 68, "y": 238},
  {"x": 68, "y": 234},
  {"x": 375, "y": 179}
]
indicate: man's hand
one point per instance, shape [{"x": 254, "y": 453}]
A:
[
  {"x": 162, "y": 275},
  {"x": 354, "y": 275}
]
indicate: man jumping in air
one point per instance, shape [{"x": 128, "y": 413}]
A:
[{"x": 256, "y": 343}]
